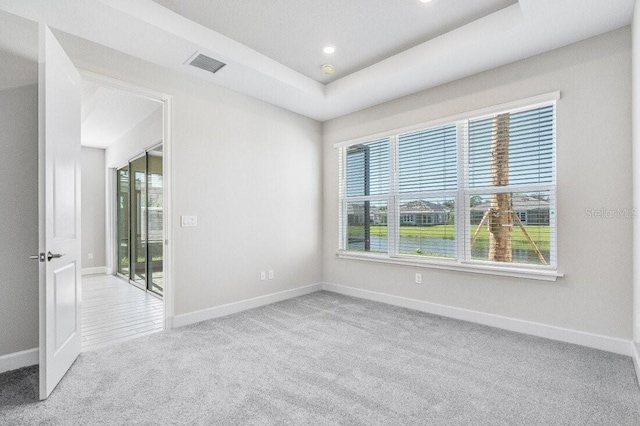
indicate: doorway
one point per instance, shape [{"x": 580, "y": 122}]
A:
[
  {"x": 140, "y": 223},
  {"x": 128, "y": 297}
]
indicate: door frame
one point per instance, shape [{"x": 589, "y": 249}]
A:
[{"x": 111, "y": 249}]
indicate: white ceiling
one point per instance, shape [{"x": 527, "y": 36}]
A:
[
  {"x": 363, "y": 31},
  {"x": 108, "y": 114},
  {"x": 273, "y": 61}
]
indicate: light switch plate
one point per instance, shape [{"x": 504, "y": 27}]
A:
[{"x": 188, "y": 221}]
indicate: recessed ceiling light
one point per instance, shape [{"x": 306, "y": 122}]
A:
[
  {"x": 329, "y": 50},
  {"x": 425, "y": 1},
  {"x": 328, "y": 69}
]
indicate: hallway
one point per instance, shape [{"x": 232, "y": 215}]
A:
[{"x": 114, "y": 311}]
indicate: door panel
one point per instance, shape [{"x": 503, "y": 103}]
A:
[
  {"x": 59, "y": 211},
  {"x": 155, "y": 221},
  {"x": 64, "y": 282},
  {"x": 138, "y": 170},
  {"x": 65, "y": 176}
]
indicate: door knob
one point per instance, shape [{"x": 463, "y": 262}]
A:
[{"x": 54, "y": 256}]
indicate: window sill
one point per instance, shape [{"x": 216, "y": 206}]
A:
[{"x": 452, "y": 265}]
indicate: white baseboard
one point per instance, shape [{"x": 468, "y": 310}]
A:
[
  {"x": 610, "y": 344},
  {"x": 19, "y": 359},
  {"x": 636, "y": 359},
  {"x": 232, "y": 308},
  {"x": 94, "y": 271},
  {"x": 596, "y": 341}
]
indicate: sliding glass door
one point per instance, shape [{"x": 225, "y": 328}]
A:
[
  {"x": 155, "y": 234},
  {"x": 138, "y": 217},
  {"x": 140, "y": 221}
]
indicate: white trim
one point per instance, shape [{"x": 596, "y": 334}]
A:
[
  {"x": 635, "y": 347},
  {"x": 476, "y": 267},
  {"x": 96, "y": 270},
  {"x": 462, "y": 213},
  {"x": 243, "y": 305},
  {"x": 111, "y": 224},
  {"x": 392, "y": 200},
  {"x": 610, "y": 344},
  {"x": 19, "y": 359},
  {"x": 111, "y": 220},
  {"x": 531, "y": 102},
  {"x": 113, "y": 83},
  {"x": 595, "y": 341},
  {"x": 168, "y": 191}
]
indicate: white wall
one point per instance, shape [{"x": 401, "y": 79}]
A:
[
  {"x": 144, "y": 135},
  {"x": 636, "y": 171},
  {"x": 249, "y": 171},
  {"x": 93, "y": 208},
  {"x": 18, "y": 219},
  {"x": 251, "y": 174},
  {"x": 594, "y": 171}
]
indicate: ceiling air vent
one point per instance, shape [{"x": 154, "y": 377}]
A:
[{"x": 206, "y": 63}]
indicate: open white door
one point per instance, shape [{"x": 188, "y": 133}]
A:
[{"x": 59, "y": 211}]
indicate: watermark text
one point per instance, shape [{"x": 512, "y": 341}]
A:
[{"x": 604, "y": 213}]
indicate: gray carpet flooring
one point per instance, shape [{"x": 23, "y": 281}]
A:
[{"x": 326, "y": 359}]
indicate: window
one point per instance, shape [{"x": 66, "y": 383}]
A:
[
  {"x": 474, "y": 191},
  {"x": 522, "y": 216},
  {"x": 367, "y": 187}
]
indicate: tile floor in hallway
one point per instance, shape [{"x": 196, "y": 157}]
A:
[{"x": 114, "y": 310}]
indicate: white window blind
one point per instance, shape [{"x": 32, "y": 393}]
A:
[
  {"x": 427, "y": 160},
  {"x": 529, "y": 150},
  {"x": 368, "y": 169}
]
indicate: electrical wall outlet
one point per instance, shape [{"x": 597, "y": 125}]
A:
[
  {"x": 188, "y": 221},
  {"x": 418, "y": 278},
  {"x": 263, "y": 275},
  {"x": 90, "y": 256},
  {"x": 271, "y": 274}
]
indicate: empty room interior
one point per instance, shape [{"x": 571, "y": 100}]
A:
[{"x": 363, "y": 212}]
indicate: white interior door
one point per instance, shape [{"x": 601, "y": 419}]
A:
[{"x": 59, "y": 211}]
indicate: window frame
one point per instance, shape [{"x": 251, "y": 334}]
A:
[{"x": 461, "y": 196}]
